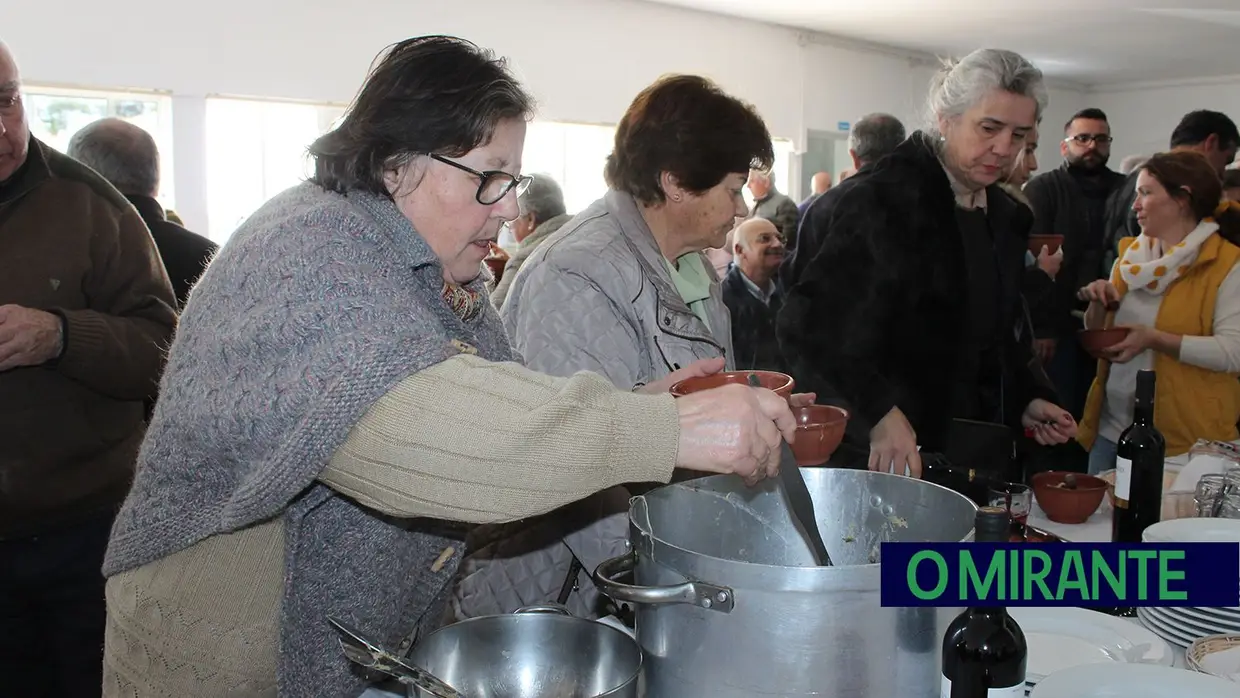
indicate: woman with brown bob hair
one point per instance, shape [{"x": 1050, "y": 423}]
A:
[
  {"x": 623, "y": 290},
  {"x": 1178, "y": 291}
]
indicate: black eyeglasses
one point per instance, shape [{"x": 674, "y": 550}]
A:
[
  {"x": 1086, "y": 138},
  {"x": 493, "y": 185}
]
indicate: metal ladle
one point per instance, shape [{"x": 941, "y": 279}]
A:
[
  {"x": 360, "y": 650},
  {"x": 799, "y": 499}
]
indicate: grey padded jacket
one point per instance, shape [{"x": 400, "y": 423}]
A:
[{"x": 595, "y": 296}]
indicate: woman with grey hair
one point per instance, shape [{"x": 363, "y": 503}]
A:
[
  {"x": 906, "y": 313},
  {"x": 341, "y": 397}
]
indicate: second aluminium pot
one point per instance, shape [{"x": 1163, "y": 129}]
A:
[
  {"x": 537, "y": 652},
  {"x": 730, "y": 606}
]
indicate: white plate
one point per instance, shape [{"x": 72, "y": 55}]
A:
[
  {"x": 1185, "y": 619},
  {"x": 1060, "y": 638},
  {"x": 1166, "y": 631},
  {"x": 1132, "y": 681},
  {"x": 1214, "y": 613},
  {"x": 1195, "y": 530}
]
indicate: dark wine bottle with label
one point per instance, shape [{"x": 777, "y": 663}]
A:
[
  {"x": 1139, "y": 468},
  {"x": 984, "y": 649}
]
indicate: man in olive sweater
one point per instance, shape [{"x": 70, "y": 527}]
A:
[{"x": 86, "y": 314}]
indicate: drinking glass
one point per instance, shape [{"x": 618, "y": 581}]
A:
[
  {"x": 1017, "y": 500},
  {"x": 1208, "y": 495}
]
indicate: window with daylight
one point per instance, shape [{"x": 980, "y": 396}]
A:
[
  {"x": 574, "y": 156},
  {"x": 56, "y": 114},
  {"x": 255, "y": 150}
]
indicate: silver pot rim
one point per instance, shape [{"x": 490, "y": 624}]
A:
[{"x": 651, "y": 544}]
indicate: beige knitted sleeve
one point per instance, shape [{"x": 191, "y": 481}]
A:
[{"x": 484, "y": 442}]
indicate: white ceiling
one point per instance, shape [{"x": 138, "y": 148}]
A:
[{"x": 1092, "y": 42}]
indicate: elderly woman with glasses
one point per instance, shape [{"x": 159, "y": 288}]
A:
[
  {"x": 341, "y": 397},
  {"x": 623, "y": 290}
]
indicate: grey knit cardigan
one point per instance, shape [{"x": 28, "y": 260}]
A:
[{"x": 318, "y": 305}]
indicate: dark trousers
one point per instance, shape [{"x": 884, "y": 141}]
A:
[{"x": 52, "y": 613}]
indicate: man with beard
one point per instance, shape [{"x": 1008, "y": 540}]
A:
[
  {"x": 1071, "y": 201},
  {"x": 753, "y": 296}
]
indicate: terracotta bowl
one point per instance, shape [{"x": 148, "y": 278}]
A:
[
  {"x": 1052, "y": 243},
  {"x": 1095, "y": 342},
  {"x": 820, "y": 429},
  {"x": 1064, "y": 505},
  {"x": 780, "y": 383}
]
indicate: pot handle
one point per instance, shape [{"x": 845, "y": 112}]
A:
[
  {"x": 550, "y": 608},
  {"x": 709, "y": 596}
]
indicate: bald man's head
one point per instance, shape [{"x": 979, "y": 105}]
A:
[
  {"x": 14, "y": 129},
  {"x": 759, "y": 249},
  {"x": 750, "y": 230},
  {"x": 821, "y": 182},
  {"x": 126, "y": 155}
]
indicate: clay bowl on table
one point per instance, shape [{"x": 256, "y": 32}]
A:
[
  {"x": 1069, "y": 498},
  {"x": 780, "y": 383},
  {"x": 1096, "y": 342},
  {"x": 1052, "y": 243},
  {"x": 820, "y": 429}
]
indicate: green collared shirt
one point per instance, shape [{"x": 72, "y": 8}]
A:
[{"x": 693, "y": 283}]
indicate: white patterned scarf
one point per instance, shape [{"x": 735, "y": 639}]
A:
[{"x": 1152, "y": 266}]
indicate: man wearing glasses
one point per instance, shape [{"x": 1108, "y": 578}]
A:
[{"x": 1071, "y": 201}]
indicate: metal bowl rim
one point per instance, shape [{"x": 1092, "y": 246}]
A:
[{"x": 552, "y": 618}]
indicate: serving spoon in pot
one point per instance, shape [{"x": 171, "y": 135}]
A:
[
  {"x": 361, "y": 650},
  {"x": 799, "y": 499}
]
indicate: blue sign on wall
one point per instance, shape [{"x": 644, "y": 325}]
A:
[{"x": 843, "y": 126}]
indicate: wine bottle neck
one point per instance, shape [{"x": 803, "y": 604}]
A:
[{"x": 1143, "y": 413}]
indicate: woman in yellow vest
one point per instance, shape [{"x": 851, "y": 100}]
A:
[{"x": 1177, "y": 287}]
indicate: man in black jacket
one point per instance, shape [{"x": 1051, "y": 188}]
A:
[
  {"x": 1072, "y": 201},
  {"x": 873, "y": 137},
  {"x": 127, "y": 156}
]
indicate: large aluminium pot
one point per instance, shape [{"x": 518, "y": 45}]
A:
[
  {"x": 729, "y": 604},
  {"x": 537, "y": 652}
]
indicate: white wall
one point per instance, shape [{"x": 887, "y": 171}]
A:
[
  {"x": 583, "y": 59},
  {"x": 1143, "y": 115}
]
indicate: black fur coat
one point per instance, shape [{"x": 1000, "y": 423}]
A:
[{"x": 877, "y": 318}]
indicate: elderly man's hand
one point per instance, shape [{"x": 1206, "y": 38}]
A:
[{"x": 28, "y": 337}]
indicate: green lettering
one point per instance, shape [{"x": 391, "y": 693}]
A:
[
  {"x": 1013, "y": 577},
  {"x": 939, "y": 562},
  {"x": 969, "y": 575},
  {"x": 1037, "y": 577},
  {"x": 1143, "y": 558},
  {"x": 1102, "y": 568},
  {"x": 1074, "y": 566},
  {"x": 1166, "y": 574}
]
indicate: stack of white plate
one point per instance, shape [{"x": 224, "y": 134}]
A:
[
  {"x": 1063, "y": 638},
  {"x": 1181, "y": 626}
]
